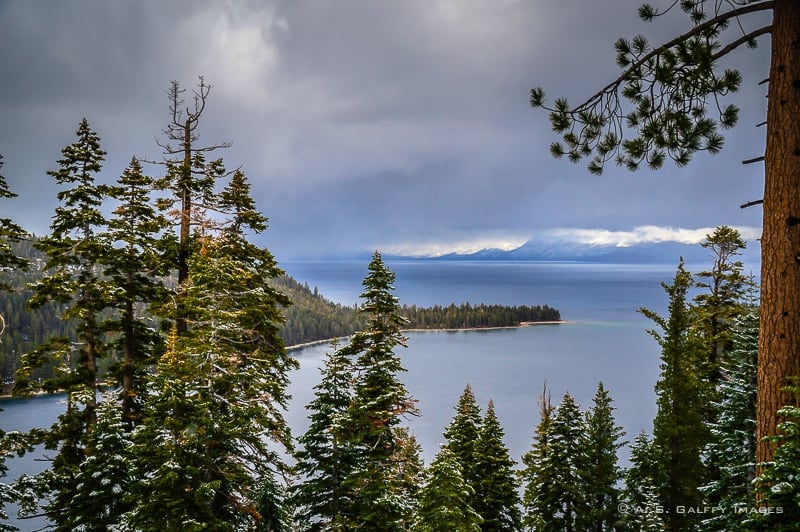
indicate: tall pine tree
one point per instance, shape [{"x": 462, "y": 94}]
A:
[
  {"x": 137, "y": 269},
  {"x": 598, "y": 467},
  {"x": 76, "y": 250},
  {"x": 497, "y": 497},
  {"x": 216, "y": 403},
  {"x": 325, "y": 459},
  {"x": 559, "y": 503},
  {"x": 536, "y": 479},
  {"x": 462, "y": 436},
  {"x": 380, "y": 401},
  {"x": 733, "y": 435},
  {"x": 678, "y": 430}
]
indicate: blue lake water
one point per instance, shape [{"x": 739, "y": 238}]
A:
[{"x": 607, "y": 342}]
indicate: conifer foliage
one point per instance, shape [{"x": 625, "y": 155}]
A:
[
  {"x": 76, "y": 251},
  {"x": 535, "y": 477},
  {"x": 444, "y": 500},
  {"x": 380, "y": 401},
  {"x": 462, "y": 437},
  {"x": 324, "y": 458},
  {"x": 598, "y": 466},
  {"x": 220, "y": 388},
  {"x": 678, "y": 429},
  {"x": 9, "y": 233},
  {"x": 497, "y": 498},
  {"x": 732, "y": 445}
]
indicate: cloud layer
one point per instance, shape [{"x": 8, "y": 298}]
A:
[{"x": 360, "y": 123}]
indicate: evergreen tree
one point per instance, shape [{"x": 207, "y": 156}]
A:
[
  {"x": 666, "y": 103},
  {"x": 102, "y": 478},
  {"x": 733, "y": 435},
  {"x": 325, "y": 459},
  {"x": 216, "y": 404},
  {"x": 76, "y": 251},
  {"x": 497, "y": 497},
  {"x": 679, "y": 433},
  {"x": 462, "y": 436},
  {"x": 190, "y": 177},
  {"x": 598, "y": 467},
  {"x": 779, "y": 483},
  {"x": 535, "y": 476},
  {"x": 444, "y": 500},
  {"x": 135, "y": 266},
  {"x": 274, "y": 514},
  {"x": 380, "y": 400},
  {"x": 408, "y": 470},
  {"x": 560, "y": 499},
  {"x": 643, "y": 509},
  {"x": 723, "y": 299},
  {"x": 9, "y": 234}
]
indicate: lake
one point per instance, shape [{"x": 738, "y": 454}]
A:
[{"x": 606, "y": 341}]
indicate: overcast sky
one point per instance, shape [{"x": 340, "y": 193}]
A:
[{"x": 362, "y": 124}]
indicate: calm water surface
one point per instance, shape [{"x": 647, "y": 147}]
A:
[{"x": 607, "y": 342}]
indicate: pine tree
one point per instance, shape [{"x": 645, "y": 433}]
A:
[
  {"x": 444, "y": 500},
  {"x": 190, "y": 177},
  {"x": 779, "y": 483},
  {"x": 535, "y": 476},
  {"x": 220, "y": 390},
  {"x": 462, "y": 436},
  {"x": 724, "y": 299},
  {"x": 325, "y": 459},
  {"x": 559, "y": 501},
  {"x": 598, "y": 467},
  {"x": 407, "y": 470},
  {"x": 498, "y": 500},
  {"x": 76, "y": 251},
  {"x": 679, "y": 433},
  {"x": 666, "y": 103},
  {"x": 642, "y": 507},
  {"x": 274, "y": 513},
  {"x": 135, "y": 267},
  {"x": 380, "y": 401},
  {"x": 733, "y": 435},
  {"x": 9, "y": 234},
  {"x": 174, "y": 488},
  {"x": 102, "y": 478}
]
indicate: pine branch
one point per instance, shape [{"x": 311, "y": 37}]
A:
[
  {"x": 740, "y": 41},
  {"x": 700, "y": 28}
]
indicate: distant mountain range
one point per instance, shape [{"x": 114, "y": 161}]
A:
[{"x": 563, "y": 251}]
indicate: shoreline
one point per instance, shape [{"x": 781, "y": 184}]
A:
[
  {"x": 296, "y": 347},
  {"x": 438, "y": 329}
]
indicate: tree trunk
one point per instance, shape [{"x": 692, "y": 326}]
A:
[
  {"x": 779, "y": 335},
  {"x": 186, "y": 220}
]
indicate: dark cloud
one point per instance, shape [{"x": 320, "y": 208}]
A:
[{"x": 360, "y": 123}]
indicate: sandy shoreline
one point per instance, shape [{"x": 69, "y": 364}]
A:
[{"x": 436, "y": 329}]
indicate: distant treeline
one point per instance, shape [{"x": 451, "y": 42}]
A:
[
  {"x": 466, "y": 316},
  {"x": 313, "y": 318}
]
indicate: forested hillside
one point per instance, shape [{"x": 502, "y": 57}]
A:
[{"x": 309, "y": 318}]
